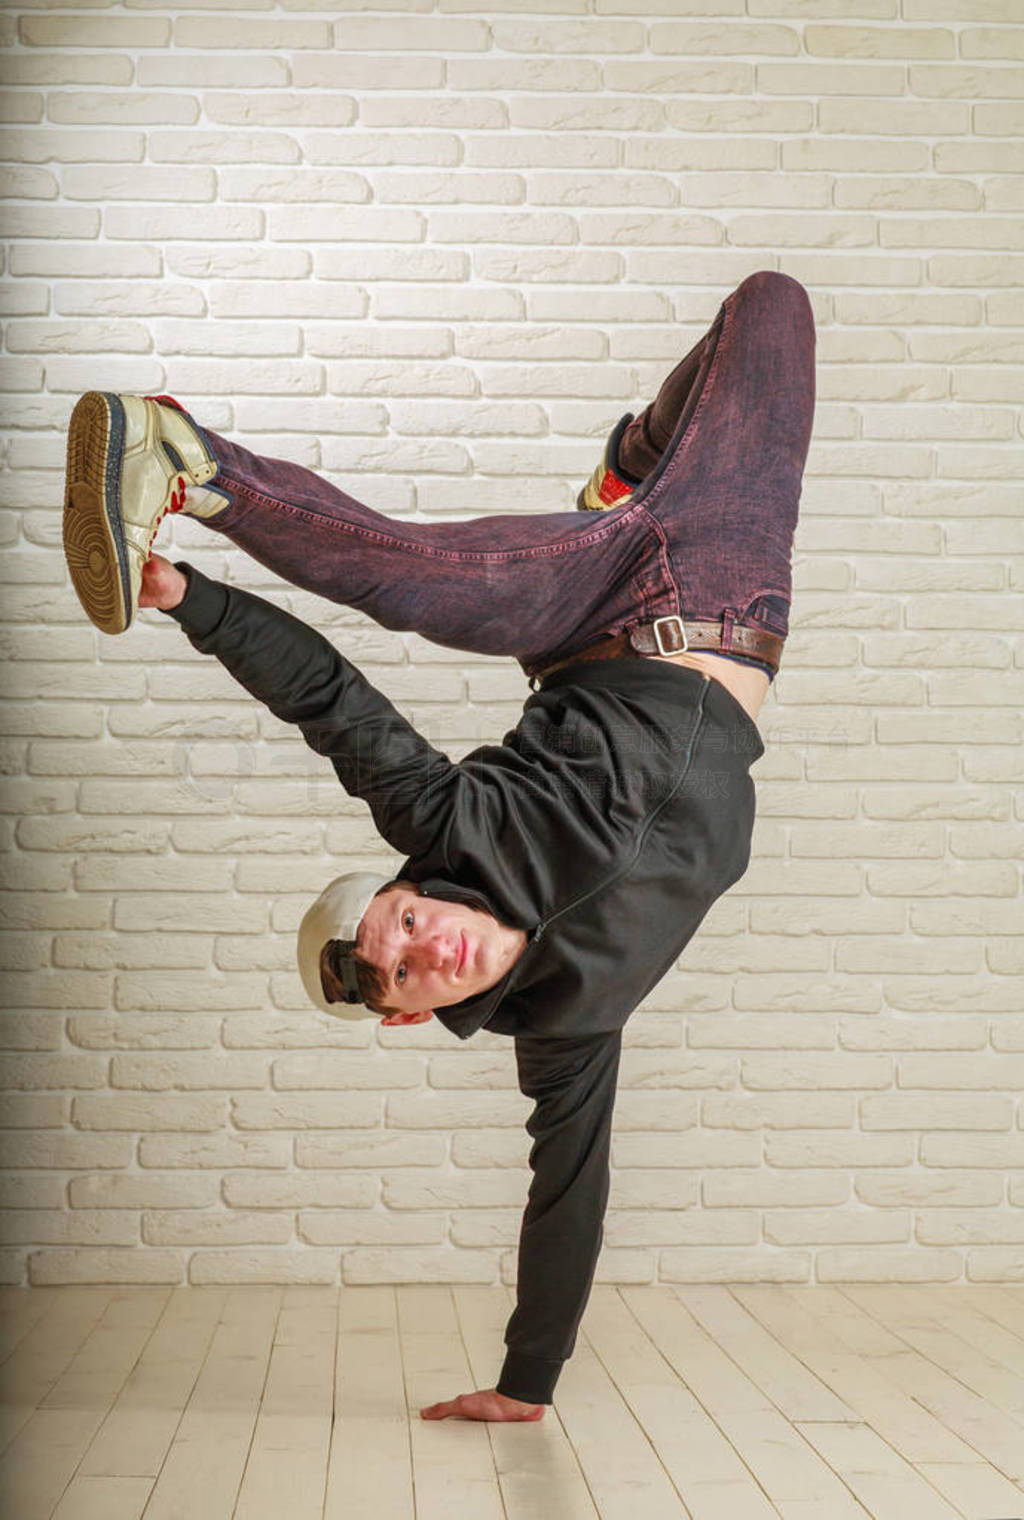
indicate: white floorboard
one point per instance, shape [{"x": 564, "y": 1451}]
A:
[
  {"x": 753, "y": 1402},
  {"x": 370, "y": 1469},
  {"x": 286, "y": 1472}
]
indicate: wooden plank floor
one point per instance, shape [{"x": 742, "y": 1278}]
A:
[{"x": 713, "y": 1403}]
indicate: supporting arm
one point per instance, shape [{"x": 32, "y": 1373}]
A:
[{"x": 573, "y": 1085}]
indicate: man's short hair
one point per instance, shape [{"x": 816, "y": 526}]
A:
[{"x": 371, "y": 982}]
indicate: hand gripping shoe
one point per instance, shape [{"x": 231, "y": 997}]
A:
[
  {"x": 609, "y": 486},
  {"x": 130, "y": 460}
]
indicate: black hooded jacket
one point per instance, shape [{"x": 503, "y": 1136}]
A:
[{"x": 604, "y": 825}]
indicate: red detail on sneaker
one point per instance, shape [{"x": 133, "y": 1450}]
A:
[
  {"x": 175, "y": 504},
  {"x": 152, "y": 536},
  {"x": 613, "y": 489},
  {"x": 166, "y": 401}
]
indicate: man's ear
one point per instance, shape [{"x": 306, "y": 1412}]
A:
[{"x": 394, "y": 1019}]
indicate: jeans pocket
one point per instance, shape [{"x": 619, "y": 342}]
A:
[{"x": 768, "y": 611}]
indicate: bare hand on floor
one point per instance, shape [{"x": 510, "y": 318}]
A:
[{"x": 486, "y": 1404}]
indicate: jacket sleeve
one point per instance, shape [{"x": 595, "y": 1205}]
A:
[
  {"x": 302, "y": 679},
  {"x": 572, "y": 1083}
]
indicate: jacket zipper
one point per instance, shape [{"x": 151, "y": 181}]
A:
[{"x": 610, "y": 881}]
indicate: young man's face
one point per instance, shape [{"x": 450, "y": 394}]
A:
[{"x": 431, "y": 953}]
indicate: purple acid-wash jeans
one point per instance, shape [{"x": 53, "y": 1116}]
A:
[{"x": 707, "y": 535}]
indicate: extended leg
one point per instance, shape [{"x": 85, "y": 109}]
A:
[
  {"x": 501, "y": 584},
  {"x": 530, "y": 585}
]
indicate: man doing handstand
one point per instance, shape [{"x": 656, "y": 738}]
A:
[{"x": 549, "y": 880}]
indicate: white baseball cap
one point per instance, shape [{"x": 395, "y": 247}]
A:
[{"x": 336, "y": 914}]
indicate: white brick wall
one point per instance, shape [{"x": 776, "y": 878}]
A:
[{"x": 481, "y": 233}]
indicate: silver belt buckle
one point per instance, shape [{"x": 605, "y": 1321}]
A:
[{"x": 659, "y": 624}]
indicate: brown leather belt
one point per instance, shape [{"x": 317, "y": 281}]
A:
[{"x": 671, "y": 635}]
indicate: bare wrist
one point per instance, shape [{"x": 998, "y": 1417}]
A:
[{"x": 176, "y": 592}]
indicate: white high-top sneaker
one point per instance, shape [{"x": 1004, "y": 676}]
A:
[{"x": 130, "y": 461}]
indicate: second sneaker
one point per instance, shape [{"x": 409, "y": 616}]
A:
[{"x": 609, "y": 486}]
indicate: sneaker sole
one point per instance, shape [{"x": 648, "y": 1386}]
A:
[{"x": 94, "y": 542}]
